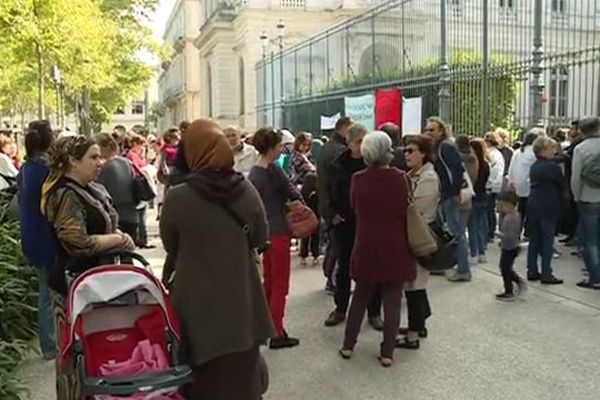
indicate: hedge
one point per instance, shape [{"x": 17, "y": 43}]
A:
[{"x": 18, "y": 313}]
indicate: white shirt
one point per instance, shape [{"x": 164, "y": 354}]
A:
[
  {"x": 518, "y": 172},
  {"x": 494, "y": 183},
  {"x": 245, "y": 159},
  {"x": 7, "y": 168},
  {"x": 584, "y": 152}
]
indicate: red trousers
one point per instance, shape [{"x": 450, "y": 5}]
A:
[{"x": 276, "y": 270}]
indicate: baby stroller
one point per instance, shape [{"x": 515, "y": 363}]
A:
[{"x": 119, "y": 337}]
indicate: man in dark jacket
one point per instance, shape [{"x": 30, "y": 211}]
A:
[
  {"x": 393, "y": 131},
  {"x": 449, "y": 167},
  {"x": 329, "y": 153}
]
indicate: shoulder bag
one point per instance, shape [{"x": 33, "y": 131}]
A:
[
  {"x": 142, "y": 190},
  {"x": 301, "y": 220},
  {"x": 421, "y": 240}
]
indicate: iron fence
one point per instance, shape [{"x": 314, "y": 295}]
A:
[{"x": 477, "y": 63}]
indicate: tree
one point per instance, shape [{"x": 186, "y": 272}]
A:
[{"x": 95, "y": 43}]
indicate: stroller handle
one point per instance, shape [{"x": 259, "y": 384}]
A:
[{"x": 118, "y": 256}]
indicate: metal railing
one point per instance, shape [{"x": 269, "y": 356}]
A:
[{"x": 477, "y": 63}]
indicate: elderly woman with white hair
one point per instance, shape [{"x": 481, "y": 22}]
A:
[{"x": 381, "y": 258}]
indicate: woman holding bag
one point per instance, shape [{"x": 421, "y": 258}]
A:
[
  {"x": 276, "y": 191},
  {"x": 426, "y": 196},
  {"x": 381, "y": 258}
]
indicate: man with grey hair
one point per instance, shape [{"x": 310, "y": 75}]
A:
[
  {"x": 585, "y": 185},
  {"x": 244, "y": 155},
  {"x": 343, "y": 224}
]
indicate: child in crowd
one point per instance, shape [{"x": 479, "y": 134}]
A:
[
  {"x": 309, "y": 193},
  {"x": 510, "y": 233}
]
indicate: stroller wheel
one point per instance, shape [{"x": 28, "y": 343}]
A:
[{"x": 68, "y": 387}]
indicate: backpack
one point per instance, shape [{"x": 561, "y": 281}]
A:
[{"x": 590, "y": 173}]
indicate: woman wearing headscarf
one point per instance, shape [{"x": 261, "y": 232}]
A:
[
  {"x": 84, "y": 224},
  {"x": 216, "y": 288},
  {"x": 79, "y": 210}
]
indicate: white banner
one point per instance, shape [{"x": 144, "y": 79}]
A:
[
  {"x": 411, "y": 116},
  {"x": 328, "y": 123}
]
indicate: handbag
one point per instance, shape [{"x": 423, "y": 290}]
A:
[
  {"x": 301, "y": 220},
  {"x": 445, "y": 256},
  {"x": 420, "y": 237},
  {"x": 142, "y": 190}
]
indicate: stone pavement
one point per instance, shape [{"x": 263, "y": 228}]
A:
[{"x": 543, "y": 347}]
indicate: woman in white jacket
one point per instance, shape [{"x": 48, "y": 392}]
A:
[
  {"x": 426, "y": 194},
  {"x": 496, "y": 179},
  {"x": 518, "y": 175}
]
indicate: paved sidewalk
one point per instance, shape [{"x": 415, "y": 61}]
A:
[{"x": 543, "y": 347}]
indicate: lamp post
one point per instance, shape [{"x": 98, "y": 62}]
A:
[
  {"x": 264, "y": 42},
  {"x": 57, "y": 79},
  {"x": 280, "y": 36}
]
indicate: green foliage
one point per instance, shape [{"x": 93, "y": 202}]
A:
[
  {"x": 17, "y": 311},
  {"x": 95, "y": 43}
]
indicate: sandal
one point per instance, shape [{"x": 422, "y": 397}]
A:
[
  {"x": 422, "y": 334},
  {"x": 346, "y": 354},
  {"x": 407, "y": 344},
  {"x": 385, "y": 362}
]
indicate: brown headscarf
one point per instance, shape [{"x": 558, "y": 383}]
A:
[{"x": 206, "y": 148}]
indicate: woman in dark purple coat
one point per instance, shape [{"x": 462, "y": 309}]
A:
[{"x": 381, "y": 255}]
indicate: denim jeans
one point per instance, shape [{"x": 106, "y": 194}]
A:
[
  {"x": 478, "y": 228},
  {"x": 450, "y": 208},
  {"x": 590, "y": 232},
  {"x": 541, "y": 244},
  {"x": 45, "y": 322}
]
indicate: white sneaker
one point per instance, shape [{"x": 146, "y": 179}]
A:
[
  {"x": 482, "y": 259},
  {"x": 473, "y": 260}
]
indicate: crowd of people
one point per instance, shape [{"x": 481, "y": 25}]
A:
[{"x": 222, "y": 198}]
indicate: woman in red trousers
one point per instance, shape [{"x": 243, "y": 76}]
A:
[
  {"x": 275, "y": 190},
  {"x": 381, "y": 256}
]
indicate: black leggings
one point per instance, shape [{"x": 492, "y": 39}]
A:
[
  {"x": 507, "y": 262},
  {"x": 419, "y": 309}
]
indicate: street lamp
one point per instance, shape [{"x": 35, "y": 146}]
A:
[
  {"x": 281, "y": 34},
  {"x": 264, "y": 43},
  {"x": 57, "y": 79}
]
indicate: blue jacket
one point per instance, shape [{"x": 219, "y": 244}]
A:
[
  {"x": 37, "y": 239},
  {"x": 450, "y": 169},
  {"x": 547, "y": 190}
]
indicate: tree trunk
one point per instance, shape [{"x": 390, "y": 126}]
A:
[{"x": 41, "y": 88}]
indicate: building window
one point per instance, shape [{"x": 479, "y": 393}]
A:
[
  {"x": 559, "y": 6},
  {"x": 242, "y": 87},
  {"x": 137, "y": 107},
  {"x": 209, "y": 90},
  {"x": 559, "y": 90},
  {"x": 120, "y": 110},
  {"x": 456, "y": 7},
  {"x": 298, "y": 4},
  {"x": 507, "y": 4}
]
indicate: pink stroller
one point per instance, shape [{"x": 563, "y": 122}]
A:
[{"x": 119, "y": 337}]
